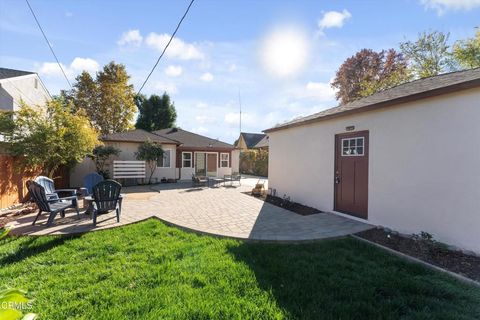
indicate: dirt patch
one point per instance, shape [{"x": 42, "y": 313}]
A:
[
  {"x": 286, "y": 204},
  {"x": 7, "y": 216},
  {"x": 423, "y": 247}
]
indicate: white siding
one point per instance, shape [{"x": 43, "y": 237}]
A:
[
  {"x": 14, "y": 90},
  {"x": 424, "y": 166}
]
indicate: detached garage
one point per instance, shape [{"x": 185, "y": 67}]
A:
[{"x": 407, "y": 158}]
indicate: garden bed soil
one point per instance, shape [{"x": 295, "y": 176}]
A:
[
  {"x": 433, "y": 252},
  {"x": 291, "y": 206}
]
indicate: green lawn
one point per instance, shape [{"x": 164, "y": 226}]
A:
[{"x": 152, "y": 271}]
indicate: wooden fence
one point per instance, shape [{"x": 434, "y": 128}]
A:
[{"x": 12, "y": 181}]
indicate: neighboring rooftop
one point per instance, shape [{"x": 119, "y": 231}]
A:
[
  {"x": 262, "y": 143},
  {"x": 191, "y": 140},
  {"x": 415, "y": 90},
  {"x": 137, "y": 135},
  {"x": 251, "y": 139},
  {"x": 6, "y": 73}
]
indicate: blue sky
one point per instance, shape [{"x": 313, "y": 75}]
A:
[{"x": 280, "y": 55}]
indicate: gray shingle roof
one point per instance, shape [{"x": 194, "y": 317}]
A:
[
  {"x": 410, "y": 91},
  {"x": 6, "y": 73},
  {"x": 251, "y": 139},
  {"x": 262, "y": 143},
  {"x": 191, "y": 140},
  {"x": 137, "y": 135}
]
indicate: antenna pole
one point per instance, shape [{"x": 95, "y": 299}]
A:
[{"x": 240, "y": 104}]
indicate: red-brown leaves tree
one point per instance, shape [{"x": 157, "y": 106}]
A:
[{"x": 369, "y": 71}]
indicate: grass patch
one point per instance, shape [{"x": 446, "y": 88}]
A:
[{"x": 153, "y": 271}]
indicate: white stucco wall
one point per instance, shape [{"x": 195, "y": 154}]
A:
[
  {"x": 235, "y": 161},
  {"x": 14, "y": 90},
  {"x": 424, "y": 166}
]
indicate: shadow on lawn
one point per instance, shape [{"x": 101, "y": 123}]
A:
[
  {"x": 344, "y": 279},
  {"x": 34, "y": 246}
]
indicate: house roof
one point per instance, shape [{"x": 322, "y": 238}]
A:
[
  {"x": 262, "y": 143},
  {"x": 251, "y": 139},
  {"x": 190, "y": 139},
  {"x": 137, "y": 135},
  {"x": 6, "y": 73},
  {"x": 415, "y": 90}
]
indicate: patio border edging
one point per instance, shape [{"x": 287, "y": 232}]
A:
[{"x": 416, "y": 260}]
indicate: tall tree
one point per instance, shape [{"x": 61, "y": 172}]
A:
[
  {"x": 467, "y": 52},
  {"x": 50, "y": 139},
  {"x": 156, "y": 112},
  {"x": 429, "y": 54},
  {"x": 108, "y": 100},
  {"x": 367, "y": 72}
]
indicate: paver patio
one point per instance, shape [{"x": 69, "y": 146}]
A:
[{"x": 224, "y": 211}]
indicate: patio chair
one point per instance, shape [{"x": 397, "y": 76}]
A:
[
  {"x": 90, "y": 180},
  {"x": 106, "y": 197},
  {"x": 259, "y": 189},
  {"x": 52, "y": 206},
  {"x": 236, "y": 177},
  {"x": 199, "y": 180},
  {"x": 50, "y": 191}
]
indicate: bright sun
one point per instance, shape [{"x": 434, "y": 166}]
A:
[{"x": 284, "y": 51}]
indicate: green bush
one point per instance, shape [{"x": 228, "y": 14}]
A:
[{"x": 254, "y": 162}]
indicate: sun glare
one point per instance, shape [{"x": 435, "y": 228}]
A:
[{"x": 284, "y": 51}]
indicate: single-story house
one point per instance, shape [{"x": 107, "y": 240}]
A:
[
  {"x": 248, "y": 140},
  {"x": 185, "y": 153},
  {"x": 407, "y": 158}
]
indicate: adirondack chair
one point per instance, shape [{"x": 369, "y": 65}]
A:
[
  {"x": 91, "y": 180},
  {"x": 51, "y": 192},
  {"x": 52, "y": 206},
  {"x": 106, "y": 197}
]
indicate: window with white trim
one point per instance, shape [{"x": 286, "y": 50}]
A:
[
  {"x": 165, "y": 161},
  {"x": 224, "y": 160},
  {"x": 186, "y": 159},
  {"x": 353, "y": 146}
]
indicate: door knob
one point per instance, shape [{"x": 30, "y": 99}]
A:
[{"x": 337, "y": 179}]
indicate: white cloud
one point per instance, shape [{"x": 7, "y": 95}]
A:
[
  {"x": 51, "y": 69},
  {"x": 200, "y": 130},
  {"x": 248, "y": 119},
  {"x": 87, "y": 64},
  {"x": 232, "y": 67},
  {"x": 207, "y": 77},
  {"x": 170, "y": 88},
  {"x": 130, "y": 37},
  {"x": 202, "y": 119},
  {"x": 333, "y": 19},
  {"x": 201, "y": 105},
  {"x": 68, "y": 14},
  {"x": 443, "y": 5},
  {"x": 320, "y": 90},
  {"x": 173, "y": 71},
  {"x": 178, "y": 48}
]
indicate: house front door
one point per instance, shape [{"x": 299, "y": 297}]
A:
[
  {"x": 351, "y": 174},
  {"x": 212, "y": 162}
]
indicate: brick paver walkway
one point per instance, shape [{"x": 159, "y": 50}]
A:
[{"x": 221, "y": 211}]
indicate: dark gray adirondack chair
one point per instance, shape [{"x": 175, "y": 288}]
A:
[
  {"x": 91, "y": 180},
  {"x": 50, "y": 191},
  {"x": 52, "y": 206},
  {"x": 106, "y": 197}
]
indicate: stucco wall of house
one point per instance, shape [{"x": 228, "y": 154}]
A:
[
  {"x": 235, "y": 161},
  {"x": 14, "y": 90},
  {"x": 424, "y": 166}
]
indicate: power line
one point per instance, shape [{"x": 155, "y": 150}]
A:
[
  {"x": 48, "y": 43},
  {"x": 165, "y": 49}
]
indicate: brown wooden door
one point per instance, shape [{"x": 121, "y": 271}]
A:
[
  {"x": 211, "y": 164},
  {"x": 351, "y": 173}
]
